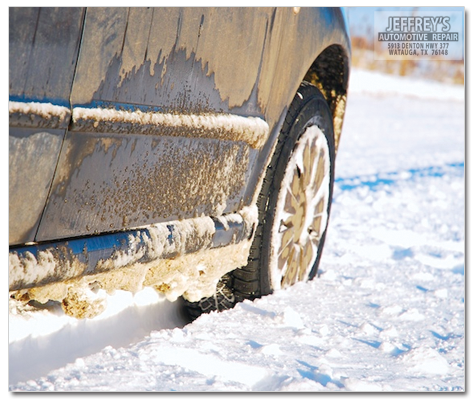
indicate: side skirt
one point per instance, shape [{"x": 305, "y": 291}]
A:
[{"x": 176, "y": 258}]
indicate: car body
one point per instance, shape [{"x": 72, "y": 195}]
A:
[{"x": 140, "y": 136}]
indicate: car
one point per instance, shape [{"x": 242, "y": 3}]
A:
[{"x": 191, "y": 150}]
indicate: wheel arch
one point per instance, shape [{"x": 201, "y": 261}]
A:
[{"x": 330, "y": 74}]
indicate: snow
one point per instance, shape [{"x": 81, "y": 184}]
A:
[
  {"x": 251, "y": 130},
  {"x": 386, "y": 312},
  {"x": 379, "y": 83},
  {"x": 44, "y": 110}
]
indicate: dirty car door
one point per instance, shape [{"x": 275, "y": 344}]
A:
[
  {"x": 43, "y": 49},
  {"x": 166, "y": 123}
]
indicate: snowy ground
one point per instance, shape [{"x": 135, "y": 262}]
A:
[{"x": 387, "y": 312}]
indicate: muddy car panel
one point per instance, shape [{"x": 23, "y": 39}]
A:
[
  {"x": 43, "y": 50},
  {"x": 153, "y": 115}
]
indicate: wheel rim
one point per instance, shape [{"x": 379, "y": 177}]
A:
[{"x": 301, "y": 212}]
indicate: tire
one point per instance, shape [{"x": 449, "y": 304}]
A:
[
  {"x": 294, "y": 207},
  {"x": 223, "y": 299}
]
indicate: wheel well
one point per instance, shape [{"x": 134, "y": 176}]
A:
[{"x": 330, "y": 73}]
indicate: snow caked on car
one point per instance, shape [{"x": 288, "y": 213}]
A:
[{"x": 191, "y": 150}]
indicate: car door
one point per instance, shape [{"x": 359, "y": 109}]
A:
[
  {"x": 195, "y": 71},
  {"x": 43, "y": 50}
]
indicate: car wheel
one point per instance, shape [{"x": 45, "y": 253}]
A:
[{"x": 294, "y": 204}]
